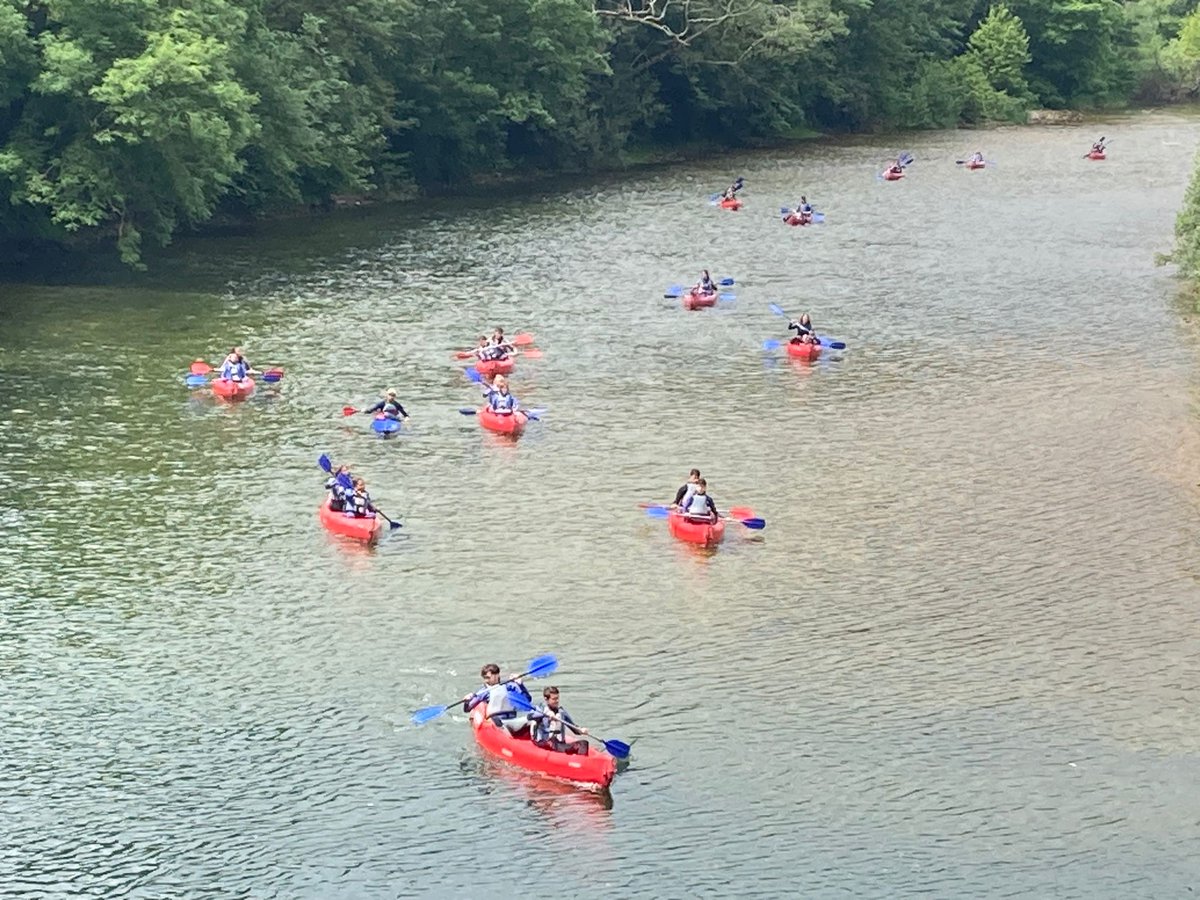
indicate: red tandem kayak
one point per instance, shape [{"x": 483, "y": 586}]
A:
[
  {"x": 597, "y": 768},
  {"x": 361, "y": 529},
  {"x": 492, "y": 367},
  {"x": 513, "y": 423},
  {"x": 692, "y": 300},
  {"x": 233, "y": 390},
  {"x": 800, "y": 350},
  {"x": 733, "y": 204},
  {"x": 794, "y": 219},
  {"x": 1095, "y": 155},
  {"x": 705, "y": 533}
]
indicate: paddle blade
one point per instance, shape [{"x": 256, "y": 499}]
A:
[
  {"x": 200, "y": 367},
  {"x": 324, "y": 462},
  {"x": 784, "y": 210},
  {"x": 835, "y": 345},
  {"x": 771, "y": 344},
  {"x": 473, "y": 374},
  {"x": 754, "y": 524},
  {"x": 674, "y": 290},
  {"x": 272, "y": 377},
  {"x": 619, "y": 749},
  {"x": 818, "y": 217},
  {"x": 463, "y": 354},
  {"x": 196, "y": 380},
  {"x": 778, "y": 310},
  {"x": 726, "y": 297},
  {"x": 741, "y": 512},
  {"x": 536, "y": 411},
  {"x": 344, "y": 480},
  {"x": 532, "y": 354},
  {"x": 725, "y": 282},
  {"x": 524, "y": 339},
  {"x": 467, "y": 411},
  {"x": 521, "y": 702},
  {"x": 348, "y": 410},
  {"x": 531, "y": 416},
  {"x": 393, "y": 525},
  {"x": 657, "y": 512},
  {"x": 421, "y": 716},
  {"x": 541, "y": 666}
]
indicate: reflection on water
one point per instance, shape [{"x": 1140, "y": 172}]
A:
[{"x": 959, "y": 660}]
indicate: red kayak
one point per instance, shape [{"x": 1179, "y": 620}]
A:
[
  {"x": 366, "y": 529},
  {"x": 889, "y": 175},
  {"x": 706, "y": 533},
  {"x": 233, "y": 390},
  {"x": 976, "y": 165},
  {"x": 1097, "y": 154},
  {"x": 801, "y": 350},
  {"x": 493, "y": 367},
  {"x": 512, "y": 423},
  {"x": 795, "y": 219},
  {"x": 596, "y": 769},
  {"x": 734, "y": 204},
  {"x": 693, "y": 300}
]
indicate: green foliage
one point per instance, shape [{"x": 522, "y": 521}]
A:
[
  {"x": 1187, "y": 229},
  {"x": 125, "y": 121}
]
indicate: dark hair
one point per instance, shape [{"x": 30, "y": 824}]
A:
[
  {"x": 549, "y": 692},
  {"x": 695, "y": 472},
  {"x": 489, "y": 669},
  {"x": 702, "y": 483}
]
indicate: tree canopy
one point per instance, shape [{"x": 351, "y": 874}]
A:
[{"x": 124, "y": 121}]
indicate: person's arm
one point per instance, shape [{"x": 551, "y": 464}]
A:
[
  {"x": 713, "y": 507},
  {"x": 679, "y": 495},
  {"x": 473, "y": 700},
  {"x": 378, "y": 407},
  {"x": 403, "y": 411}
]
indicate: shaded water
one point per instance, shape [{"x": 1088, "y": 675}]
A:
[{"x": 961, "y": 660}]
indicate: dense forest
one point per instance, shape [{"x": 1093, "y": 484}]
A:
[{"x": 125, "y": 121}]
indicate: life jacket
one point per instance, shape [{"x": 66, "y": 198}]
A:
[
  {"x": 707, "y": 286},
  {"x": 359, "y": 505},
  {"x": 696, "y": 505},
  {"x": 233, "y": 371},
  {"x": 502, "y": 403},
  {"x": 391, "y": 407},
  {"x": 548, "y": 729},
  {"x": 337, "y": 494}
]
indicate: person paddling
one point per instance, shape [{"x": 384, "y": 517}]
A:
[
  {"x": 895, "y": 168},
  {"x": 700, "y": 507},
  {"x": 498, "y": 340},
  {"x": 805, "y": 333},
  {"x": 337, "y": 491},
  {"x": 1098, "y": 147},
  {"x": 233, "y": 368},
  {"x": 705, "y": 285},
  {"x": 390, "y": 407},
  {"x": 499, "y": 400},
  {"x": 500, "y": 708},
  {"x": 688, "y": 488},
  {"x": 976, "y": 159},
  {"x": 550, "y": 724},
  {"x": 358, "y": 503}
]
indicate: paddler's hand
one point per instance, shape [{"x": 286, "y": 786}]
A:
[{"x": 583, "y": 731}]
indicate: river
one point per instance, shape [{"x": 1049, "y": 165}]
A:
[{"x": 960, "y": 661}]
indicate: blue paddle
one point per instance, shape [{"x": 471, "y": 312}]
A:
[
  {"x": 661, "y": 512},
  {"x": 539, "y": 667},
  {"x": 196, "y": 380},
  {"x": 618, "y": 749},
  {"x": 678, "y": 290},
  {"x": 824, "y": 342}
]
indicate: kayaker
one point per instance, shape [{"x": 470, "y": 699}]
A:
[
  {"x": 499, "y": 400},
  {"x": 1098, "y": 147},
  {"x": 498, "y": 340},
  {"x": 337, "y": 493},
  {"x": 705, "y": 285},
  {"x": 687, "y": 489},
  {"x": 700, "y": 507},
  {"x": 550, "y": 722},
  {"x": 389, "y": 406},
  {"x": 895, "y": 168},
  {"x": 358, "y": 503},
  {"x": 250, "y": 370},
  {"x": 975, "y": 159},
  {"x": 804, "y": 207},
  {"x": 233, "y": 369},
  {"x": 805, "y": 333},
  {"x": 500, "y": 708}
]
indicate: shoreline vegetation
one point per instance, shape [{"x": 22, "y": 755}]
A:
[{"x": 121, "y": 129}]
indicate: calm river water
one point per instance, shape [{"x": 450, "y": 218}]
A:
[{"x": 962, "y": 660}]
